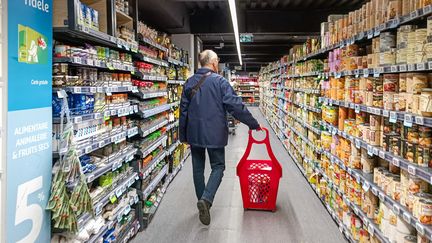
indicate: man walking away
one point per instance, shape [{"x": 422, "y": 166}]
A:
[{"x": 206, "y": 99}]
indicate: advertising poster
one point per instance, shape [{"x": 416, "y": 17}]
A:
[{"x": 29, "y": 129}]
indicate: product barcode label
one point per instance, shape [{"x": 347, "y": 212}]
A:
[
  {"x": 403, "y": 68},
  {"x": 408, "y": 120},
  {"x": 393, "y": 117},
  {"x": 395, "y": 162},
  {"x": 411, "y": 170}
]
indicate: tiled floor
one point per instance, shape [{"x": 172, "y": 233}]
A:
[{"x": 300, "y": 217}]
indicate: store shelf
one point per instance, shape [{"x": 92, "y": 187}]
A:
[
  {"x": 155, "y": 182},
  {"x": 421, "y": 172},
  {"x": 308, "y": 91},
  {"x": 154, "y": 111},
  {"x": 159, "y": 142},
  {"x": 97, "y": 142},
  {"x": 149, "y": 77},
  {"x": 150, "y": 95},
  {"x": 95, "y": 90},
  {"x": 173, "y": 147},
  {"x": 180, "y": 82},
  {"x": 144, "y": 132},
  {"x": 391, "y": 24},
  {"x": 115, "y": 161},
  {"x": 152, "y": 165},
  {"x": 407, "y": 118},
  {"x": 126, "y": 234},
  {"x": 147, "y": 41},
  {"x": 116, "y": 192},
  {"x": 177, "y": 62},
  {"x": 85, "y": 34},
  {"x": 95, "y": 63},
  {"x": 150, "y": 60},
  {"x": 307, "y": 107},
  {"x": 123, "y": 18},
  {"x": 172, "y": 125}
]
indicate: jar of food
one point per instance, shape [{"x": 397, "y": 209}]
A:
[
  {"x": 410, "y": 152},
  {"x": 425, "y": 211},
  {"x": 396, "y": 144},
  {"x": 411, "y": 134},
  {"x": 416, "y": 185}
]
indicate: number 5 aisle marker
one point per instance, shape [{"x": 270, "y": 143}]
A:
[{"x": 27, "y": 61}]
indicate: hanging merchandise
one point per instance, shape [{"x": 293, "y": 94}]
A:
[{"x": 65, "y": 203}]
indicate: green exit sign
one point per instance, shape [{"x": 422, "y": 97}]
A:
[{"x": 246, "y": 38}]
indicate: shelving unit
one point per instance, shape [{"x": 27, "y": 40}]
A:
[
  {"x": 298, "y": 102},
  {"x": 247, "y": 88},
  {"x": 127, "y": 139}
]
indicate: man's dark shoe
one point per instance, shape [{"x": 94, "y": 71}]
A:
[{"x": 204, "y": 211}]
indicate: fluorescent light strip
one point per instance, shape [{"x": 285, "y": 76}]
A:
[{"x": 232, "y": 6}]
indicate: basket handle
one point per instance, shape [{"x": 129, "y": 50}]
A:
[{"x": 265, "y": 141}]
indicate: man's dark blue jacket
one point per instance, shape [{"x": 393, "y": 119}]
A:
[{"x": 203, "y": 121}]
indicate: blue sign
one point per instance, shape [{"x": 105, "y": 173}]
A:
[{"x": 29, "y": 131}]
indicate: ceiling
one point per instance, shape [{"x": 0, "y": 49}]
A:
[{"x": 276, "y": 25}]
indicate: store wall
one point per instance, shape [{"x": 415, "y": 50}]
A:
[{"x": 186, "y": 42}]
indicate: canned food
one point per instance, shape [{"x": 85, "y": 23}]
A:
[
  {"x": 425, "y": 211},
  {"x": 416, "y": 185}
]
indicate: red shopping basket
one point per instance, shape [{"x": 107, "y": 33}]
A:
[{"x": 259, "y": 179}]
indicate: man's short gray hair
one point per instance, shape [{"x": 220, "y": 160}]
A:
[{"x": 206, "y": 57}]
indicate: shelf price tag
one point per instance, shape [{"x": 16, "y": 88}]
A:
[
  {"x": 366, "y": 73},
  {"x": 396, "y": 209},
  {"x": 375, "y": 151},
  {"x": 98, "y": 209},
  {"x": 408, "y": 120},
  {"x": 414, "y": 14},
  {"x": 411, "y": 67},
  {"x": 370, "y": 34},
  {"x": 381, "y": 196},
  {"x": 421, "y": 67},
  {"x": 358, "y": 143},
  {"x": 113, "y": 198},
  {"x": 420, "y": 228},
  {"x": 394, "y": 69},
  {"x": 403, "y": 68},
  {"x": 371, "y": 230},
  {"x": 370, "y": 150},
  {"x": 385, "y": 113},
  {"x": 419, "y": 120},
  {"x": 411, "y": 170},
  {"x": 393, "y": 117},
  {"x": 357, "y": 108},
  {"x": 374, "y": 191},
  {"x": 395, "y": 162},
  {"x": 366, "y": 186},
  {"x": 406, "y": 217},
  {"x": 427, "y": 9},
  {"x": 381, "y": 154}
]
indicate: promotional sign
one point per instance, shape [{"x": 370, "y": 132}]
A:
[{"x": 29, "y": 117}]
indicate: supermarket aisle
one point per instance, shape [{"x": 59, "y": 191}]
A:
[{"x": 300, "y": 216}]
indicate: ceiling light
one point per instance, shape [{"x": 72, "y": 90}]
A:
[{"x": 232, "y": 6}]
